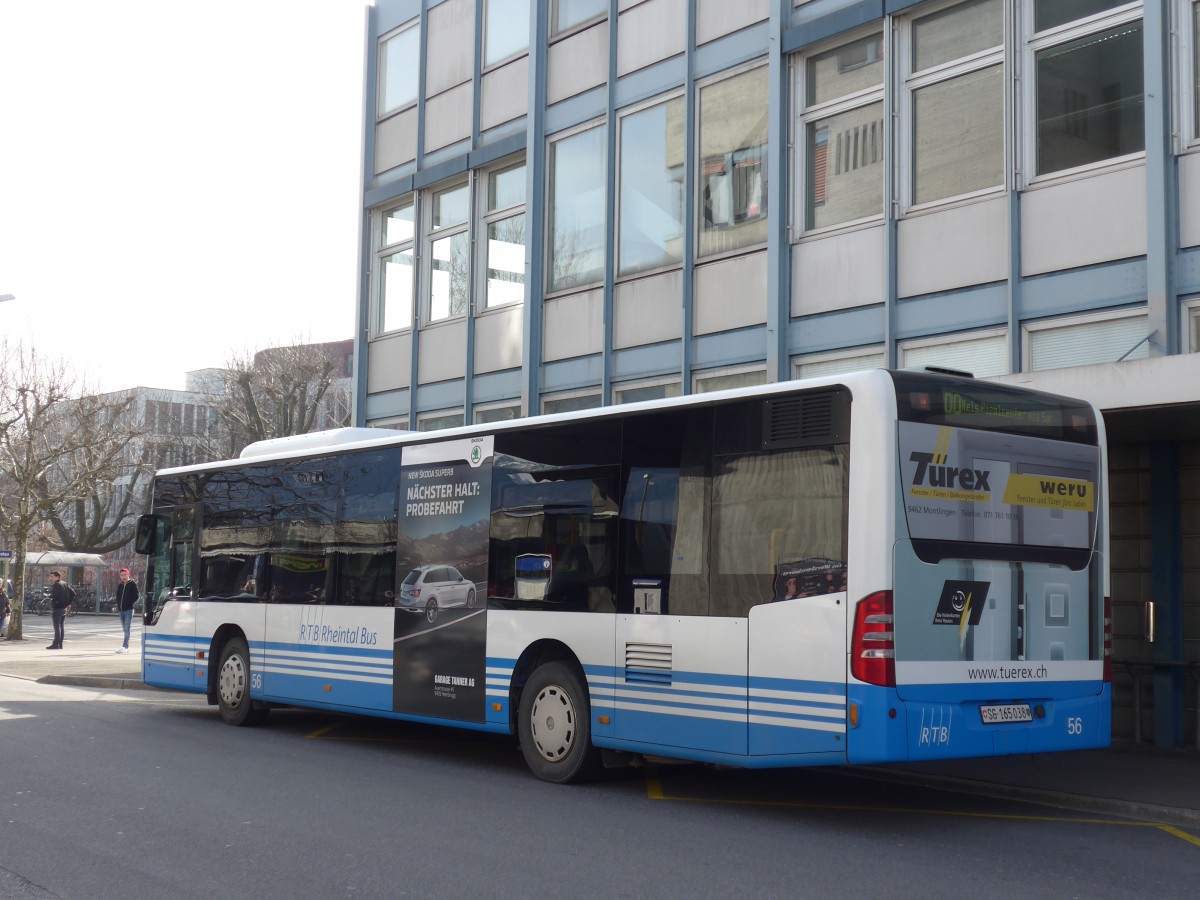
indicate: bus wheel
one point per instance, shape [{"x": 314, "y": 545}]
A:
[
  {"x": 233, "y": 686},
  {"x": 431, "y": 610},
  {"x": 554, "y": 725}
]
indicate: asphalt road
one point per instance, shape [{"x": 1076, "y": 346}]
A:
[{"x": 143, "y": 794}]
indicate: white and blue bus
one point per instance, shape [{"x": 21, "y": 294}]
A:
[{"x": 877, "y": 567}]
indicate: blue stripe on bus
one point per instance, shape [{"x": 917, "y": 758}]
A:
[
  {"x": 327, "y": 650},
  {"x": 357, "y": 695},
  {"x": 774, "y": 717}
]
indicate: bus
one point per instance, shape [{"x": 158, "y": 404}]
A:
[{"x": 883, "y": 566}]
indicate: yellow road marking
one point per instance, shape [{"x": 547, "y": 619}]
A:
[
  {"x": 654, "y": 791},
  {"x": 321, "y": 732},
  {"x": 1182, "y": 835}
]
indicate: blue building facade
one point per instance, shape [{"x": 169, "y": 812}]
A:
[{"x": 572, "y": 203}]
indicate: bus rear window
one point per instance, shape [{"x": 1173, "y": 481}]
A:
[{"x": 987, "y": 488}]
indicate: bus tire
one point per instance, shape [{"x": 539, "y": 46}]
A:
[
  {"x": 554, "y": 725},
  {"x": 233, "y": 686}
]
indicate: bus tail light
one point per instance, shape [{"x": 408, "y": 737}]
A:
[
  {"x": 1107, "y": 651},
  {"x": 873, "y": 648}
]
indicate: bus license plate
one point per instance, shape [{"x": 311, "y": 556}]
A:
[{"x": 1007, "y": 712}]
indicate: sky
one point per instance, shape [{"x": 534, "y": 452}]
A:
[{"x": 180, "y": 180}]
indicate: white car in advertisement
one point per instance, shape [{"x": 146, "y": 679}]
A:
[{"x": 428, "y": 589}]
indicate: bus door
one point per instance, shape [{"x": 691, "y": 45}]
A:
[
  {"x": 681, "y": 647},
  {"x": 168, "y": 646}
]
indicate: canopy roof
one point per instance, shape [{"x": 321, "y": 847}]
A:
[{"x": 64, "y": 559}]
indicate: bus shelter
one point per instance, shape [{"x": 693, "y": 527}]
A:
[{"x": 80, "y": 570}]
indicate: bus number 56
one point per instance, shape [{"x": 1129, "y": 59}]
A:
[{"x": 1074, "y": 725}]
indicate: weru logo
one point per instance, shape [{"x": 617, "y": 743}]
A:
[{"x": 933, "y": 472}]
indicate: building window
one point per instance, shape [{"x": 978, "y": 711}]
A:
[
  {"x": 570, "y": 401},
  {"x": 841, "y": 133},
  {"x": 733, "y": 163},
  {"x": 448, "y": 251},
  {"x": 399, "y": 55},
  {"x": 955, "y": 85},
  {"x": 1089, "y": 86},
  {"x": 497, "y": 412},
  {"x": 650, "y": 224},
  {"x": 504, "y": 251},
  {"x": 981, "y": 353},
  {"x": 1086, "y": 340},
  {"x": 658, "y": 389},
  {"x": 577, "y": 209},
  {"x": 439, "y": 420},
  {"x": 1195, "y": 79},
  {"x": 1052, "y": 13},
  {"x": 565, "y": 15},
  {"x": 506, "y": 29},
  {"x": 399, "y": 423},
  {"x": 1191, "y": 325},
  {"x": 839, "y": 363},
  {"x": 728, "y": 379},
  {"x": 395, "y": 257}
]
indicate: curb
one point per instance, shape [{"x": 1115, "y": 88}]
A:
[
  {"x": 1133, "y": 809},
  {"x": 97, "y": 681}
]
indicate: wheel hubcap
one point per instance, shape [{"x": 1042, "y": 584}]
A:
[
  {"x": 233, "y": 681},
  {"x": 552, "y": 721}
]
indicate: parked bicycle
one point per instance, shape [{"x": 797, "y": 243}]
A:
[
  {"x": 37, "y": 602},
  {"x": 85, "y": 601}
]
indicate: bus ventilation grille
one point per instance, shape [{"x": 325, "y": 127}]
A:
[
  {"x": 648, "y": 663},
  {"x": 802, "y": 421}
]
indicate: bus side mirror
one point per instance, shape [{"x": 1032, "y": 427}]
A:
[{"x": 146, "y": 539}]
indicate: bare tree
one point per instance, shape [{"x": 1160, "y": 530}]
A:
[
  {"x": 55, "y": 448},
  {"x": 282, "y": 391},
  {"x": 103, "y": 521}
]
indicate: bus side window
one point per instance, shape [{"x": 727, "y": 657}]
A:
[
  {"x": 665, "y": 511},
  {"x": 554, "y": 519},
  {"x": 363, "y": 568},
  {"x": 773, "y": 513}
]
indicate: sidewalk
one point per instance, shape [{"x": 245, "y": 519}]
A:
[
  {"x": 87, "y": 658},
  {"x": 1160, "y": 786}
]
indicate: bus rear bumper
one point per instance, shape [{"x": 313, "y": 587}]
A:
[{"x": 891, "y": 729}]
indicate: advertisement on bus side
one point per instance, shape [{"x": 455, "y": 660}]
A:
[{"x": 441, "y": 601}]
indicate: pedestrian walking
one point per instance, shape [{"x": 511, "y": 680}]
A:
[
  {"x": 5, "y": 609},
  {"x": 61, "y": 598},
  {"x": 127, "y": 598}
]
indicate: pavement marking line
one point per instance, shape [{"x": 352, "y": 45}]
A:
[
  {"x": 1182, "y": 835},
  {"x": 321, "y": 732},
  {"x": 654, "y": 791}
]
